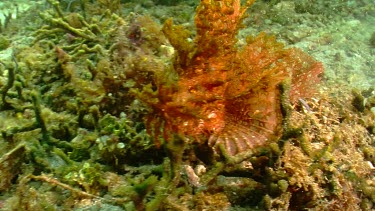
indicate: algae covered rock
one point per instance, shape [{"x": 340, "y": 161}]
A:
[
  {"x": 4, "y": 42},
  {"x": 10, "y": 166}
]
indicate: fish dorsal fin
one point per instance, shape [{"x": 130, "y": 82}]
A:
[
  {"x": 236, "y": 139},
  {"x": 251, "y": 121}
]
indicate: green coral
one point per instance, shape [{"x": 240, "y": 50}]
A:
[{"x": 372, "y": 40}]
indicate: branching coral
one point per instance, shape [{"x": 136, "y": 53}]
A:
[{"x": 218, "y": 92}]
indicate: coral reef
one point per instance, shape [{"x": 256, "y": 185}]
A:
[{"x": 103, "y": 108}]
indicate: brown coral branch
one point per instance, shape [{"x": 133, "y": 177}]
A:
[
  {"x": 53, "y": 181},
  {"x": 46, "y": 178}
]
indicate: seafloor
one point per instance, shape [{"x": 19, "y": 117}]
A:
[{"x": 78, "y": 80}]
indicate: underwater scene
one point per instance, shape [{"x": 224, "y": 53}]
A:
[{"x": 187, "y": 105}]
